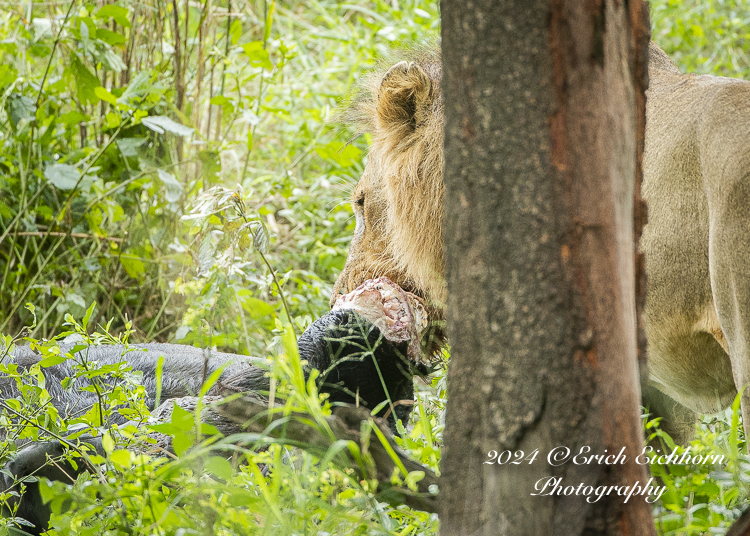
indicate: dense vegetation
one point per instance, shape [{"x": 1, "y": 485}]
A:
[
  {"x": 121, "y": 129},
  {"x": 175, "y": 163}
]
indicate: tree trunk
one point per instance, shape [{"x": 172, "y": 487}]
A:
[{"x": 544, "y": 116}]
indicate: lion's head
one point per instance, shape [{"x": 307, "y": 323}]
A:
[{"x": 398, "y": 201}]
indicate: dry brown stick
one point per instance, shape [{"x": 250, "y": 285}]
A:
[
  {"x": 382, "y": 457},
  {"x": 741, "y": 527}
]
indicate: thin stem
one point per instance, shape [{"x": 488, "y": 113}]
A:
[
  {"x": 19, "y": 214},
  {"x": 52, "y": 54},
  {"x": 240, "y": 207},
  {"x": 72, "y": 235},
  {"x": 278, "y": 288},
  {"x": 155, "y": 321},
  {"x": 60, "y": 438},
  {"x": 30, "y": 285},
  {"x": 260, "y": 88},
  {"x": 224, "y": 69},
  {"x": 95, "y": 384},
  {"x": 48, "y": 258}
]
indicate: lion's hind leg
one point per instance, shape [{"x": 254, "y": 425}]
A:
[
  {"x": 675, "y": 419},
  {"x": 689, "y": 373}
]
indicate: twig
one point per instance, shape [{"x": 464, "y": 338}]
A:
[
  {"x": 240, "y": 207},
  {"x": 60, "y": 438},
  {"x": 52, "y": 54},
  {"x": 73, "y": 235},
  {"x": 281, "y": 293}
]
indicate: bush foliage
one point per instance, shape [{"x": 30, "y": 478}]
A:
[
  {"x": 119, "y": 120},
  {"x": 175, "y": 164}
]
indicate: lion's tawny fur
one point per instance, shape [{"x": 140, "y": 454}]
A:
[
  {"x": 400, "y": 235},
  {"x": 696, "y": 170},
  {"x": 697, "y": 242}
]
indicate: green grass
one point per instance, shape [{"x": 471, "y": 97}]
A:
[
  {"x": 257, "y": 83},
  {"x": 245, "y": 484},
  {"x": 704, "y": 37}
]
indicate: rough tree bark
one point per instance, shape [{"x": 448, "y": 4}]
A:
[{"x": 544, "y": 117}]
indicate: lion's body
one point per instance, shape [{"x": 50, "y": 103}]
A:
[
  {"x": 696, "y": 171},
  {"x": 697, "y": 241}
]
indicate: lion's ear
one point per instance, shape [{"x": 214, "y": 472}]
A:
[{"x": 404, "y": 97}]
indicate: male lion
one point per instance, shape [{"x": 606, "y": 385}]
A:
[{"x": 697, "y": 241}]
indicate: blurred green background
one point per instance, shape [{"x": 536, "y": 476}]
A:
[{"x": 145, "y": 107}]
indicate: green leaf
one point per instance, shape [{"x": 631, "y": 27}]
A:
[
  {"x": 86, "y": 28},
  {"x": 110, "y": 37},
  {"x": 129, "y": 146},
  {"x": 181, "y": 442},
  {"x": 9, "y": 46},
  {"x": 182, "y": 419},
  {"x": 208, "y": 429},
  {"x": 249, "y": 140},
  {"x": 8, "y": 75},
  {"x": 235, "y": 31},
  {"x": 105, "y": 95},
  {"x": 219, "y": 467},
  {"x": 133, "y": 265},
  {"x": 47, "y": 491},
  {"x": 19, "y": 108},
  {"x": 120, "y": 14},
  {"x": 108, "y": 444},
  {"x": 269, "y": 21},
  {"x": 210, "y": 162},
  {"x": 5, "y": 211},
  {"x": 73, "y": 118},
  {"x": 109, "y": 59},
  {"x": 164, "y": 428},
  {"x": 257, "y": 308},
  {"x": 63, "y": 176},
  {"x": 121, "y": 458},
  {"x": 161, "y": 123},
  {"x": 240, "y": 498},
  {"x": 113, "y": 120},
  {"x": 261, "y": 238},
  {"x": 342, "y": 154},
  {"x": 138, "y": 87},
  {"x": 52, "y": 360},
  {"x": 257, "y": 55},
  {"x": 86, "y": 83},
  {"x": 87, "y": 318},
  {"x": 72, "y": 297},
  {"x": 47, "y": 136},
  {"x": 174, "y": 187}
]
